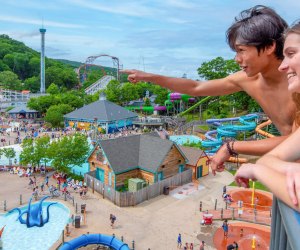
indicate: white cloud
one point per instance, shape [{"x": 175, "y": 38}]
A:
[
  {"x": 26, "y": 20},
  {"x": 124, "y": 8}
]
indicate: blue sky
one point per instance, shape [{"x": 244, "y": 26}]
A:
[{"x": 169, "y": 37}]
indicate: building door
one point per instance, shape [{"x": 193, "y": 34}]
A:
[
  {"x": 181, "y": 168},
  {"x": 160, "y": 176},
  {"x": 100, "y": 174},
  {"x": 199, "y": 171}
]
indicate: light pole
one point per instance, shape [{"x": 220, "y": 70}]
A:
[{"x": 95, "y": 128}]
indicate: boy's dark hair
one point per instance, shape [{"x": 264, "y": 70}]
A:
[{"x": 259, "y": 26}]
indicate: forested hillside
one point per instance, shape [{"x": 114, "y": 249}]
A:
[{"x": 20, "y": 68}]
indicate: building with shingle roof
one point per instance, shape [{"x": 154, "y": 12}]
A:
[
  {"x": 107, "y": 115},
  {"x": 197, "y": 160},
  {"x": 144, "y": 156},
  {"x": 23, "y": 111}
]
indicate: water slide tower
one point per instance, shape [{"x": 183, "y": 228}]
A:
[{"x": 42, "y": 31}]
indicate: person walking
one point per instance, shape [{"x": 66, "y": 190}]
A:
[
  {"x": 225, "y": 227},
  {"x": 179, "y": 243},
  {"x": 202, "y": 245},
  {"x": 112, "y": 218}
]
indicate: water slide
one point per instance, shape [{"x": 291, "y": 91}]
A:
[
  {"x": 89, "y": 239},
  {"x": 195, "y": 105},
  {"x": 261, "y": 132},
  {"x": 230, "y": 130}
]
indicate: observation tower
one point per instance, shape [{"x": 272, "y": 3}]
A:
[{"x": 42, "y": 31}]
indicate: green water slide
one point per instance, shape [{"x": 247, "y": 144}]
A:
[{"x": 195, "y": 105}]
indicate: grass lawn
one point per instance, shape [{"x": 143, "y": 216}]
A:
[{"x": 258, "y": 185}]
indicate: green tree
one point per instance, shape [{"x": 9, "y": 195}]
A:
[
  {"x": 68, "y": 151},
  {"x": 33, "y": 84},
  {"x": 9, "y": 153},
  {"x": 113, "y": 91},
  {"x": 220, "y": 68},
  {"x": 147, "y": 102},
  {"x": 217, "y": 68},
  {"x": 42, "y": 103},
  {"x": 42, "y": 145},
  {"x": 9, "y": 80},
  {"x": 162, "y": 94},
  {"x": 53, "y": 89},
  {"x": 55, "y": 114},
  {"x": 27, "y": 156},
  {"x": 129, "y": 92}
]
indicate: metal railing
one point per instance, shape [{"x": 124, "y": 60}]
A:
[{"x": 285, "y": 227}]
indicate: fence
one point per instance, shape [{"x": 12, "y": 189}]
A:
[
  {"x": 5, "y": 206},
  {"x": 126, "y": 199},
  {"x": 285, "y": 227}
]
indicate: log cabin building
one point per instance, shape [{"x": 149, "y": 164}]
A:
[
  {"x": 197, "y": 160},
  {"x": 146, "y": 156}
]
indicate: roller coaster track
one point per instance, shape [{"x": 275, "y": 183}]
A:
[{"x": 99, "y": 85}]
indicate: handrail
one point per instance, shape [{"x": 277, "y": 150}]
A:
[{"x": 285, "y": 227}]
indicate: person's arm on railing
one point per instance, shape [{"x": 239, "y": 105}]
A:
[{"x": 272, "y": 179}]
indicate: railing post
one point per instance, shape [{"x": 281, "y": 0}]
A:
[
  {"x": 232, "y": 215},
  {"x": 133, "y": 245},
  {"x": 63, "y": 236},
  {"x": 65, "y": 196},
  {"x": 93, "y": 185},
  {"x": 216, "y": 202},
  {"x": 73, "y": 201},
  {"x": 122, "y": 238},
  {"x": 226, "y": 204},
  {"x": 20, "y": 199},
  {"x": 200, "y": 207},
  {"x": 76, "y": 208},
  {"x": 4, "y": 206},
  {"x": 221, "y": 213}
]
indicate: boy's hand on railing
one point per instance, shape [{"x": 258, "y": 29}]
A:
[
  {"x": 244, "y": 174},
  {"x": 293, "y": 183}
]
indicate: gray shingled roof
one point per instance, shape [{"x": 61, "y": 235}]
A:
[
  {"x": 144, "y": 151},
  {"x": 103, "y": 110},
  {"x": 192, "y": 154},
  {"x": 22, "y": 108}
]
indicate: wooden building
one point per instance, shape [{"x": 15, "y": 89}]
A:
[
  {"x": 147, "y": 157},
  {"x": 197, "y": 160}
]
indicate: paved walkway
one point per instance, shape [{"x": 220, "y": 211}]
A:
[{"x": 153, "y": 224}]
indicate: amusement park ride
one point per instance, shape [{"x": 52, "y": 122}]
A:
[{"x": 101, "y": 83}]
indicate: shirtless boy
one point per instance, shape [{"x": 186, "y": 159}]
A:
[{"x": 256, "y": 37}]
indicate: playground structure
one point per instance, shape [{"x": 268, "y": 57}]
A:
[
  {"x": 34, "y": 213},
  {"x": 259, "y": 200},
  {"x": 248, "y": 236},
  {"x": 89, "y": 239}
]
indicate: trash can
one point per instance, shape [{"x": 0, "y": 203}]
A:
[
  {"x": 83, "y": 206},
  {"x": 166, "y": 190},
  {"x": 77, "y": 221}
]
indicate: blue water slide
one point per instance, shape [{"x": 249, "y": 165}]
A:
[
  {"x": 211, "y": 142},
  {"x": 89, "y": 239}
]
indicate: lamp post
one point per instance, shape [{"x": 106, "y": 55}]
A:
[
  {"x": 253, "y": 192},
  {"x": 95, "y": 128}
]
